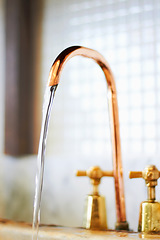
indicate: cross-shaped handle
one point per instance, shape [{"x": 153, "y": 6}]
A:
[
  {"x": 150, "y": 174},
  {"x": 95, "y": 174}
]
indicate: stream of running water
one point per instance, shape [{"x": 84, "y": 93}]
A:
[{"x": 47, "y": 106}]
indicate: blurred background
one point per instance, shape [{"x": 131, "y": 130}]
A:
[{"x": 32, "y": 34}]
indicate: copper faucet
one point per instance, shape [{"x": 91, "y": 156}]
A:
[{"x": 54, "y": 78}]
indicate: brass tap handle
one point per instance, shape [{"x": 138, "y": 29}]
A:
[
  {"x": 95, "y": 174},
  {"x": 135, "y": 174},
  {"x": 150, "y": 174},
  {"x": 80, "y": 173}
]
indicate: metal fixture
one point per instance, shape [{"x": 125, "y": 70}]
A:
[
  {"x": 149, "y": 217},
  {"x": 54, "y": 78},
  {"x": 95, "y": 208}
]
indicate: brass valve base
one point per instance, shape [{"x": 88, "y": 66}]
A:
[
  {"x": 95, "y": 213},
  {"x": 149, "y": 218}
]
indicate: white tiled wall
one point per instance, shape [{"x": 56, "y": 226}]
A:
[{"x": 127, "y": 34}]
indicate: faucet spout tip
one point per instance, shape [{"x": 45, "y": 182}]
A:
[
  {"x": 58, "y": 64},
  {"x": 53, "y": 79}
]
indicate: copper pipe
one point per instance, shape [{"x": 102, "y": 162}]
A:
[{"x": 54, "y": 78}]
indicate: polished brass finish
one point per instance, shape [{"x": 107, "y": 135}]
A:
[
  {"x": 95, "y": 213},
  {"x": 149, "y": 220},
  {"x": 95, "y": 209},
  {"x": 135, "y": 174},
  {"x": 95, "y": 174},
  {"x": 150, "y": 175},
  {"x": 54, "y": 78},
  {"x": 149, "y": 217}
]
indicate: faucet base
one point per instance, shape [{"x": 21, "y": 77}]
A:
[{"x": 122, "y": 226}]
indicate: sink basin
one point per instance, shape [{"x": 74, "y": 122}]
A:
[{"x": 10, "y": 230}]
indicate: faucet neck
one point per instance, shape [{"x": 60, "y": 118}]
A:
[{"x": 54, "y": 78}]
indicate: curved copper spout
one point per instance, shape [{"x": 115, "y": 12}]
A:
[{"x": 54, "y": 78}]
